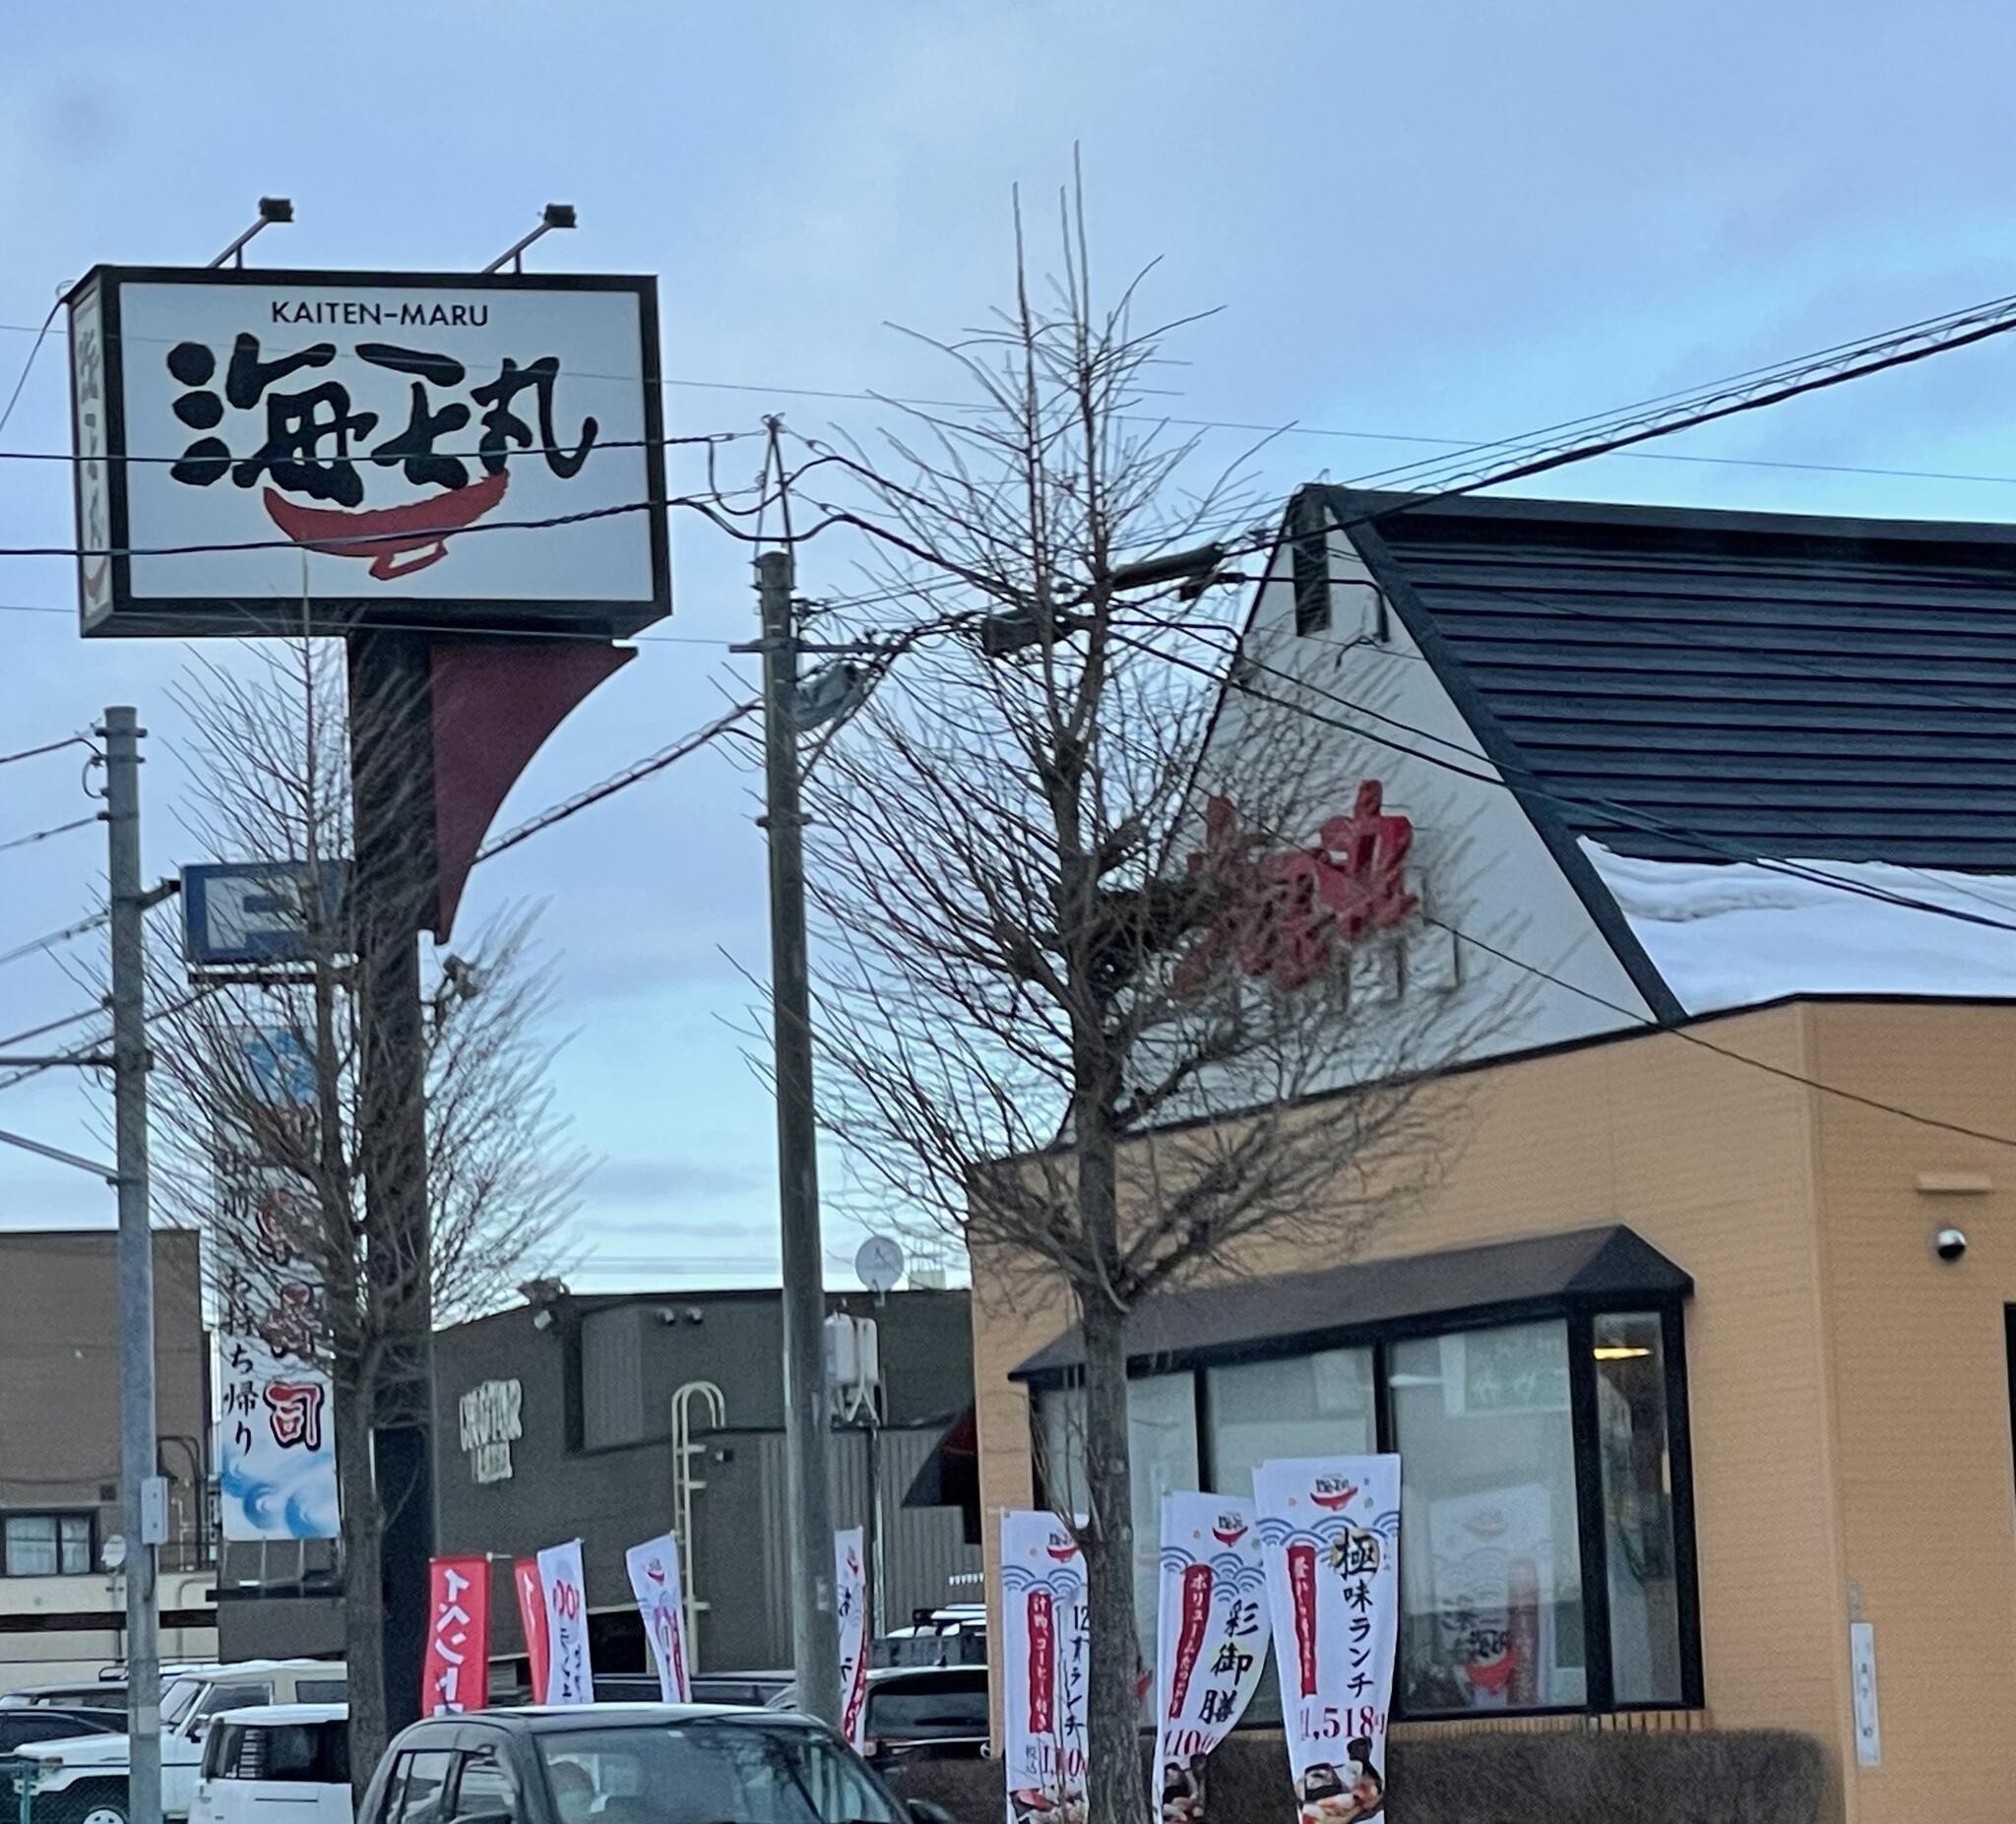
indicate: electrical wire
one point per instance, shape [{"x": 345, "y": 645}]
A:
[
  {"x": 47, "y": 747},
  {"x": 608, "y": 787},
  {"x": 55, "y": 937},
  {"x": 29, "y": 366},
  {"x": 42, "y": 835},
  {"x": 52, "y": 1025},
  {"x": 1693, "y": 1038}
]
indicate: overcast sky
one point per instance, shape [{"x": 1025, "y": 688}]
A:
[{"x": 1422, "y": 219}]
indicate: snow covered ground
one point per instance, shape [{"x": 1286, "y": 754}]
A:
[{"x": 1731, "y": 934}]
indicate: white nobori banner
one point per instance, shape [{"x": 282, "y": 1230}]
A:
[
  {"x": 1211, "y": 1640},
  {"x": 1329, "y": 1534},
  {"x": 661, "y": 1591},
  {"x": 850, "y": 1610},
  {"x": 570, "y": 1680},
  {"x": 1046, "y": 1667}
]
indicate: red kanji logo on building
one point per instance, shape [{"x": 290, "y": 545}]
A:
[
  {"x": 293, "y": 1409},
  {"x": 1280, "y": 916}
]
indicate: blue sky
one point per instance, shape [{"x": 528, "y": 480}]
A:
[{"x": 1450, "y": 221}]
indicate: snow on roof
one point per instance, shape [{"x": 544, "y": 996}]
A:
[{"x": 1736, "y": 934}]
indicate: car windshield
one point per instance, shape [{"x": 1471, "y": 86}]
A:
[
  {"x": 709, "y": 1772},
  {"x": 177, "y": 1700}
]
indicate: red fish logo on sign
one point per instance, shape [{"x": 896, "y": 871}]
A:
[
  {"x": 1229, "y": 1529},
  {"x": 1332, "y": 1494}
]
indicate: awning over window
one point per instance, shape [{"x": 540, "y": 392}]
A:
[{"x": 1611, "y": 1265}]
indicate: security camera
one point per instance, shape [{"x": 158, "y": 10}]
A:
[{"x": 1949, "y": 1244}]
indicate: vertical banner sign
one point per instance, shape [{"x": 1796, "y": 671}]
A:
[
  {"x": 569, "y": 1677},
  {"x": 1492, "y": 1555},
  {"x": 660, "y": 1589},
  {"x": 1329, "y": 1531},
  {"x": 850, "y": 1607},
  {"x": 532, "y": 1617},
  {"x": 1043, "y": 1659},
  {"x": 1212, "y": 1643},
  {"x": 277, "y": 1434},
  {"x": 455, "y": 1675}
]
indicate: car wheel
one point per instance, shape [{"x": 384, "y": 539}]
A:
[{"x": 104, "y": 1812}]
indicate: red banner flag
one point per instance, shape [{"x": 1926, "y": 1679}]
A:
[
  {"x": 455, "y": 1674},
  {"x": 1196, "y": 1613},
  {"x": 1043, "y": 1662},
  {"x": 1301, "y": 1583},
  {"x": 532, "y": 1614}
]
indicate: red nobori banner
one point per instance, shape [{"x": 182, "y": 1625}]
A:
[
  {"x": 1329, "y": 1531},
  {"x": 1211, "y": 1644},
  {"x": 1046, "y": 1669},
  {"x": 456, "y": 1672},
  {"x": 532, "y": 1617}
]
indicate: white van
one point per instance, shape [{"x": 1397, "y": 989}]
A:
[
  {"x": 276, "y": 1764},
  {"x": 83, "y": 1779}
]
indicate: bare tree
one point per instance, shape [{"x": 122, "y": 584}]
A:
[
  {"x": 269, "y": 1174},
  {"x": 1084, "y": 967}
]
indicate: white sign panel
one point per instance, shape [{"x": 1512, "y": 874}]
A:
[
  {"x": 661, "y": 1591},
  {"x": 850, "y": 1610},
  {"x": 1861, "y": 1666},
  {"x": 1211, "y": 1640},
  {"x": 570, "y": 1680},
  {"x": 1330, "y": 1531},
  {"x": 1046, "y": 1667},
  {"x": 491, "y": 1418},
  {"x": 1493, "y": 1562},
  {"x": 387, "y": 444}
]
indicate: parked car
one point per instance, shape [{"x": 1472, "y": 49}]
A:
[
  {"x": 919, "y": 1713},
  {"x": 276, "y": 1764},
  {"x": 96, "y": 1694},
  {"x": 31, "y": 1722},
  {"x": 955, "y": 1635},
  {"x": 82, "y": 1780},
  {"x": 630, "y": 1764}
]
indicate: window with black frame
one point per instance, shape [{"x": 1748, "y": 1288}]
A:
[{"x": 1527, "y": 1449}]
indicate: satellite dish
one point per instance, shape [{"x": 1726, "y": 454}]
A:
[
  {"x": 878, "y": 1263},
  {"x": 112, "y": 1553}
]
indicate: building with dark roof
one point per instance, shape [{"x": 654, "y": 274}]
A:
[{"x": 1710, "y": 1297}]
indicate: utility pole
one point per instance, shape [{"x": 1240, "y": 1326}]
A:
[
  {"x": 140, "y": 1488},
  {"x": 816, "y": 1639}
]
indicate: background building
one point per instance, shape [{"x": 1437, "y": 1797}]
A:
[
  {"x": 564, "y": 1417},
  {"x": 61, "y": 1614}
]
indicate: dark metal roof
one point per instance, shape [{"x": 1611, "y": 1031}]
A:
[
  {"x": 1766, "y": 685},
  {"x": 1320, "y": 1309}
]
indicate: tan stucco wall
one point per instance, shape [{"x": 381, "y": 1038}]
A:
[
  {"x": 1717, "y": 1163},
  {"x": 1920, "y": 1375}
]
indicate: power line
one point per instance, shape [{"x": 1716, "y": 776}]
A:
[
  {"x": 47, "y": 747},
  {"x": 42, "y": 835},
  {"x": 28, "y": 366},
  {"x": 55, "y": 937},
  {"x": 52, "y": 1025},
  {"x": 517, "y": 452},
  {"x": 594, "y": 794},
  {"x": 1706, "y": 1044}
]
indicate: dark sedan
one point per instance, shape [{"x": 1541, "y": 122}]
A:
[{"x": 629, "y": 1763}]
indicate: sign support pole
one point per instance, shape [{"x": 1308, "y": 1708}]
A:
[
  {"x": 815, "y": 1635},
  {"x": 138, "y": 1448},
  {"x": 391, "y": 765}
]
